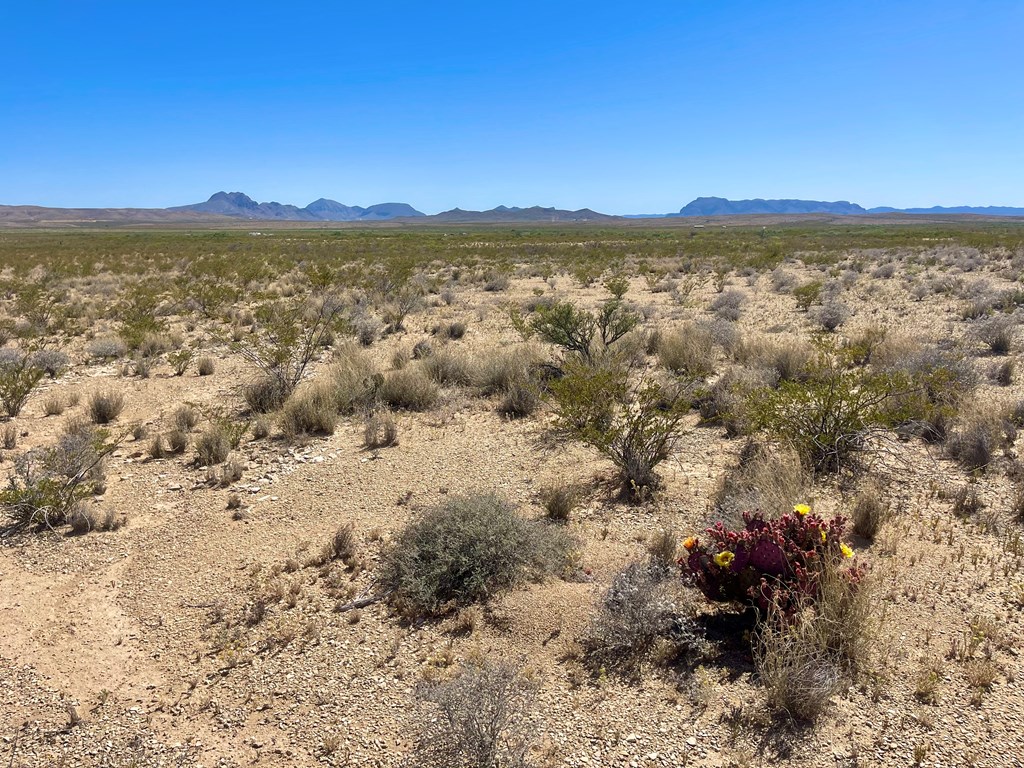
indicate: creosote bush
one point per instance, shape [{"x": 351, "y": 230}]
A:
[
  {"x": 467, "y": 550},
  {"x": 635, "y": 426}
]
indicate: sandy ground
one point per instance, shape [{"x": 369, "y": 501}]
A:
[{"x": 112, "y": 654}]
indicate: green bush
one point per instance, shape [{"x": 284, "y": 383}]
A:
[
  {"x": 46, "y": 483},
  {"x": 467, "y": 550},
  {"x": 18, "y": 377},
  {"x": 576, "y": 330},
  {"x": 828, "y": 419},
  {"x": 636, "y": 427}
]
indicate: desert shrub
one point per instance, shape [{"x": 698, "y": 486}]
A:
[
  {"x": 638, "y": 618},
  {"x": 342, "y": 546},
  {"x": 105, "y": 405},
  {"x": 185, "y": 417},
  {"x": 767, "y": 478},
  {"x": 1002, "y": 373},
  {"x": 997, "y": 334},
  {"x": 454, "y": 330},
  {"x": 832, "y": 314},
  {"x": 53, "y": 405},
  {"x": 213, "y": 446},
  {"x": 829, "y": 418},
  {"x": 177, "y": 441},
  {"x": 18, "y": 378},
  {"x": 940, "y": 381},
  {"x": 521, "y": 400},
  {"x": 577, "y": 331},
  {"x": 354, "y": 379},
  {"x": 869, "y": 511},
  {"x": 205, "y": 366},
  {"x": 380, "y": 430},
  {"x": 46, "y": 482},
  {"x": 9, "y": 436},
  {"x": 52, "y": 362},
  {"x": 410, "y": 389},
  {"x": 107, "y": 348},
  {"x": 689, "y": 350},
  {"x": 559, "y": 501},
  {"x": 480, "y": 718},
  {"x": 807, "y": 294},
  {"x": 974, "y": 439},
  {"x": 291, "y": 334},
  {"x": 465, "y": 551},
  {"x": 180, "y": 360},
  {"x": 84, "y": 518},
  {"x": 261, "y": 427},
  {"x": 264, "y": 394},
  {"x": 312, "y": 410},
  {"x": 422, "y": 349},
  {"x": 635, "y": 427},
  {"x": 727, "y": 304},
  {"x": 495, "y": 281},
  {"x": 783, "y": 281},
  {"x": 447, "y": 367}
]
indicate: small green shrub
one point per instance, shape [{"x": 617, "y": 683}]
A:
[
  {"x": 636, "y": 427},
  {"x": 18, "y": 378},
  {"x": 467, "y": 550}
]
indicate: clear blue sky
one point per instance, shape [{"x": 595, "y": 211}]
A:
[{"x": 625, "y": 108}]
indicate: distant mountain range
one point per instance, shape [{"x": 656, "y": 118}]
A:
[
  {"x": 225, "y": 207},
  {"x": 240, "y": 206}
]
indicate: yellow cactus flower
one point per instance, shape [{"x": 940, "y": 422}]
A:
[
  {"x": 722, "y": 559},
  {"x": 801, "y": 509},
  {"x": 847, "y": 552}
]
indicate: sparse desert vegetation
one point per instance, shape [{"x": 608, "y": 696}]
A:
[{"x": 554, "y": 496}]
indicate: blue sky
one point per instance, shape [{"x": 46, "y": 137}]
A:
[{"x": 622, "y": 108}]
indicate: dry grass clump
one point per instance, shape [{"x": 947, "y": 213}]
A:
[
  {"x": 520, "y": 400},
  {"x": 497, "y": 371},
  {"x": 205, "y": 366},
  {"x": 353, "y": 378},
  {"x": 767, "y": 478},
  {"x": 177, "y": 441},
  {"x": 726, "y": 402},
  {"x": 1002, "y": 373},
  {"x": 380, "y": 430},
  {"x": 559, "y": 501},
  {"x": 975, "y": 437},
  {"x": 869, "y": 510},
  {"x": 448, "y": 367},
  {"x": 479, "y": 718},
  {"x": 185, "y": 417},
  {"x": 53, "y": 405},
  {"x": 213, "y": 446},
  {"x": 802, "y": 661},
  {"x": 409, "y": 389},
  {"x": 467, "y": 550},
  {"x": 9, "y": 436},
  {"x": 86, "y": 518},
  {"x": 105, "y": 405},
  {"x": 107, "y": 348},
  {"x": 311, "y": 410},
  {"x": 688, "y": 350},
  {"x": 264, "y": 394},
  {"x": 788, "y": 359},
  {"x": 997, "y": 334}
]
